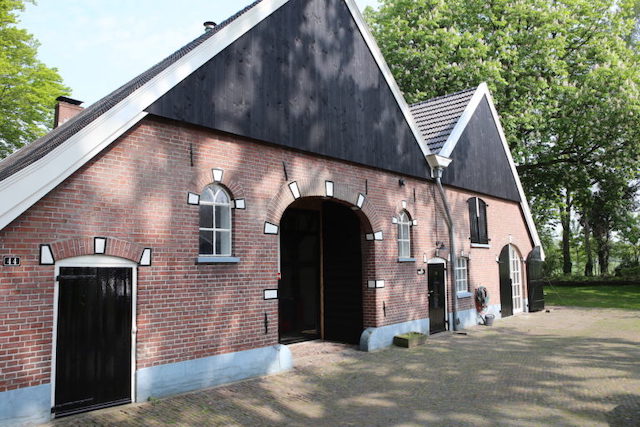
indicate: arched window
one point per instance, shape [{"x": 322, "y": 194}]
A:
[
  {"x": 478, "y": 221},
  {"x": 404, "y": 235},
  {"x": 215, "y": 222}
]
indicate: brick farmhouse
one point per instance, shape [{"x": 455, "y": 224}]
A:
[{"x": 264, "y": 185}]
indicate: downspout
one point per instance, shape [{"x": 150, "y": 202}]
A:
[{"x": 438, "y": 165}]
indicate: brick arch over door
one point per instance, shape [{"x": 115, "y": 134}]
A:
[
  {"x": 85, "y": 246},
  {"x": 316, "y": 188}
]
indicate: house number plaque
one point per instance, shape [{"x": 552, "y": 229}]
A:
[{"x": 11, "y": 260}]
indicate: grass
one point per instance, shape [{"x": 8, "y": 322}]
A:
[{"x": 611, "y": 296}]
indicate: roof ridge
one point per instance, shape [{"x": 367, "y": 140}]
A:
[{"x": 437, "y": 98}]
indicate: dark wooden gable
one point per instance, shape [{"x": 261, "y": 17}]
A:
[
  {"x": 479, "y": 162},
  {"x": 303, "y": 78}
]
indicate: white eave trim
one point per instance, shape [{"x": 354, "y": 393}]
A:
[
  {"x": 524, "y": 203},
  {"x": 26, "y": 187},
  {"x": 481, "y": 92},
  {"x": 464, "y": 119},
  {"x": 386, "y": 72}
]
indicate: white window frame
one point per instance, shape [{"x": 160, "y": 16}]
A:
[
  {"x": 462, "y": 275},
  {"x": 216, "y": 189},
  {"x": 404, "y": 221}
]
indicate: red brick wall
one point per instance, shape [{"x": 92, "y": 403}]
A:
[{"x": 135, "y": 192}]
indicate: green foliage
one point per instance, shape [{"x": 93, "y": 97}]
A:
[
  {"x": 626, "y": 296},
  {"x": 566, "y": 81},
  {"x": 28, "y": 88}
]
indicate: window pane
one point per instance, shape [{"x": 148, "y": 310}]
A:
[
  {"x": 221, "y": 197},
  {"x": 404, "y": 249},
  {"x": 206, "y": 196},
  {"x": 223, "y": 243},
  {"x": 223, "y": 217},
  {"x": 206, "y": 216},
  {"x": 206, "y": 242}
]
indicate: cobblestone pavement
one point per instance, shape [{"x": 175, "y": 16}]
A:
[{"x": 569, "y": 367}]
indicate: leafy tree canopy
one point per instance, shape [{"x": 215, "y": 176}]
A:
[
  {"x": 564, "y": 75},
  {"x": 28, "y": 88}
]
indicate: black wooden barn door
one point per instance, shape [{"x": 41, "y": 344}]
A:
[
  {"x": 93, "y": 348},
  {"x": 342, "y": 265},
  {"x": 506, "y": 291},
  {"x": 437, "y": 298}
]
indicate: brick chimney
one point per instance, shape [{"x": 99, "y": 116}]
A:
[{"x": 66, "y": 108}]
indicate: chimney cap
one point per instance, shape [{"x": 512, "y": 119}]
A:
[
  {"x": 209, "y": 25},
  {"x": 68, "y": 100}
]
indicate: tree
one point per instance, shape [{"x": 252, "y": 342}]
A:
[
  {"x": 564, "y": 75},
  {"x": 28, "y": 88}
]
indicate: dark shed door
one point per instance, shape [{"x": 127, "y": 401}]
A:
[
  {"x": 437, "y": 298},
  {"x": 535, "y": 280},
  {"x": 342, "y": 274},
  {"x": 506, "y": 291},
  {"x": 93, "y": 348}
]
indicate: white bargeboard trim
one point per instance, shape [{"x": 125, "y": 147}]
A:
[
  {"x": 481, "y": 92},
  {"x": 388, "y": 76},
  {"x": 26, "y": 187}
]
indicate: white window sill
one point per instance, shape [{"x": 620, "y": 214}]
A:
[
  {"x": 406, "y": 260},
  {"x": 206, "y": 259},
  {"x": 464, "y": 294},
  {"x": 481, "y": 245}
]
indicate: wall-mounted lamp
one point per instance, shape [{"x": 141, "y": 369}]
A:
[{"x": 401, "y": 182}]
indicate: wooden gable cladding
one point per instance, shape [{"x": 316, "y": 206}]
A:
[
  {"x": 303, "y": 78},
  {"x": 480, "y": 163}
]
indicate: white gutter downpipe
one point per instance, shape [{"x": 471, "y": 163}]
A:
[{"x": 438, "y": 165}]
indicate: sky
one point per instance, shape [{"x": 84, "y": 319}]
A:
[{"x": 98, "y": 45}]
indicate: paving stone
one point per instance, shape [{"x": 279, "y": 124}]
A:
[{"x": 568, "y": 367}]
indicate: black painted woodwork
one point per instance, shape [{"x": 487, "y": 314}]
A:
[
  {"x": 478, "y": 220},
  {"x": 303, "y": 78},
  {"x": 299, "y": 287},
  {"x": 93, "y": 347},
  {"x": 479, "y": 162},
  {"x": 437, "y": 298},
  {"x": 535, "y": 280},
  {"x": 342, "y": 266},
  {"x": 506, "y": 290}
]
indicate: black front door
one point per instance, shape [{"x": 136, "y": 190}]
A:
[
  {"x": 342, "y": 262},
  {"x": 93, "y": 342},
  {"x": 437, "y": 299},
  {"x": 506, "y": 291}
]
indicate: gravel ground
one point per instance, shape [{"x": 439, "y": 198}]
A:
[{"x": 568, "y": 367}]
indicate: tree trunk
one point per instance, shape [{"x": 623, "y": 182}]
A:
[
  {"x": 565, "y": 219},
  {"x": 588, "y": 267}
]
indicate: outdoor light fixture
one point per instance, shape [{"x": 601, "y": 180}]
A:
[
  {"x": 99, "y": 245},
  {"x": 217, "y": 175},
  {"x": 401, "y": 182},
  {"x": 360, "y": 201}
]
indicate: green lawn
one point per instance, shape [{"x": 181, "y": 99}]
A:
[{"x": 627, "y": 296}]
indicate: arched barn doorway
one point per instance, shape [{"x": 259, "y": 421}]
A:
[
  {"x": 320, "y": 290},
  {"x": 511, "y": 293}
]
